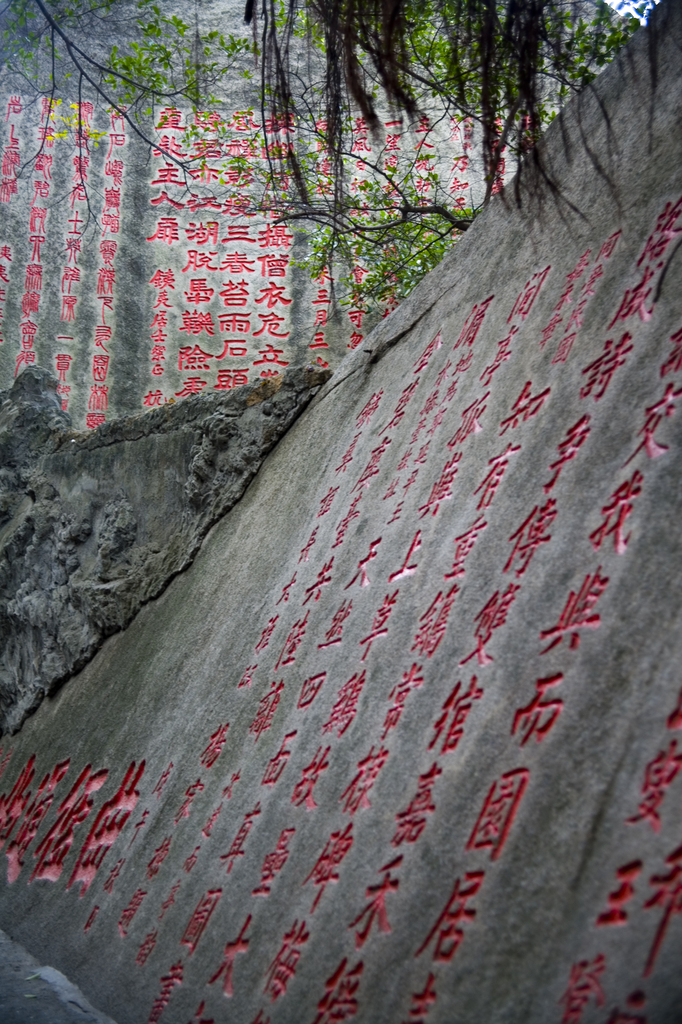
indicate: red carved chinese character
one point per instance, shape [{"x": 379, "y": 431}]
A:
[
  {"x": 275, "y": 235},
  {"x": 191, "y": 860},
  {"x": 501, "y": 356},
  {"x": 548, "y": 331},
  {"x": 372, "y": 467},
  {"x": 432, "y": 347},
  {"x": 163, "y": 779},
  {"x": 603, "y": 368},
  {"x": 379, "y": 627},
  {"x": 442, "y": 488},
  {"x": 369, "y": 767},
  {"x": 273, "y": 294},
  {"x": 266, "y": 710},
  {"x": 663, "y": 234},
  {"x": 266, "y": 635},
  {"x": 434, "y": 622},
  {"x": 540, "y": 715},
  {"x": 193, "y": 358},
  {"x": 412, "y": 821},
  {"x": 295, "y": 638},
  {"x": 168, "y": 903},
  {"x": 569, "y": 448},
  {"x": 346, "y": 706},
  {"x": 498, "y": 812},
  {"x": 403, "y": 401},
  {"x": 324, "y": 577},
  {"x": 278, "y": 763},
  {"x": 326, "y": 502},
  {"x": 422, "y": 1001},
  {"x": 113, "y": 875},
  {"x": 215, "y": 745},
  {"x": 577, "y": 613},
  {"x": 473, "y": 323},
  {"x": 668, "y": 896},
  {"x": 376, "y": 908},
  {"x": 634, "y": 300},
  {"x": 159, "y": 857},
  {"x": 673, "y": 363},
  {"x": 453, "y": 917},
  {"x": 237, "y": 847},
  {"x": 658, "y": 775},
  {"x": 493, "y": 480},
  {"x": 190, "y": 793},
  {"x": 240, "y": 945},
  {"x": 146, "y": 948},
  {"x": 325, "y": 868},
  {"x": 311, "y": 687},
  {"x": 303, "y": 790},
  {"x": 52, "y": 850},
  {"x": 91, "y": 919},
  {"x": 168, "y": 983},
  {"x": 365, "y": 415},
  {"x": 617, "y": 899},
  {"x": 106, "y": 828},
  {"x": 274, "y": 862},
  {"x": 619, "y": 507},
  {"x": 194, "y": 322},
  {"x": 412, "y": 680},
  {"x": 530, "y": 535},
  {"x": 193, "y": 386},
  {"x": 456, "y": 710},
  {"x": 235, "y": 293},
  {"x": 166, "y": 230},
  {"x": 348, "y": 456},
  {"x": 362, "y": 572},
  {"x": 339, "y": 1002},
  {"x": 528, "y": 295},
  {"x": 34, "y": 816},
  {"x": 491, "y": 617},
  {"x": 129, "y": 912},
  {"x": 654, "y": 417},
  {"x": 406, "y": 569},
  {"x": 463, "y": 547},
  {"x": 582, "y": 985},
  {"x": 352, "y": 514},
  {"x": 525, "y": 407},
  {"x": 200, "y": 918},
  {"x": 283, "y": 967}
]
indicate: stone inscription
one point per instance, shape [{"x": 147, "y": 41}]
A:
[{"x": 54, "y": 828}]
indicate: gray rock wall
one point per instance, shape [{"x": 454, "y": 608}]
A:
[
  {"x": 96, "y": 524},
  {"x": 402, "y": 744}
]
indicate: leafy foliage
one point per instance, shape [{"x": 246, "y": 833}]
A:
[{"x": 389, "y": 124}]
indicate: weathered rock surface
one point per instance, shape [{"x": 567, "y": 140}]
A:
[
  {"x": 402, "y": 743},
  {"x": 31, "y": 993},
  {"x": 93, "y": 525}
]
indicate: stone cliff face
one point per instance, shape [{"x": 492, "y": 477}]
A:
[
  {"x": 402, "y": 743},
  {"x": 94, "y": 525}
]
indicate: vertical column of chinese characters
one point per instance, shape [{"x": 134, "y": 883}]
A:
[
  {"x": 238, "y": 260},
  {"x": 460, "y": 164},
  {"x": 10, "y": 154},
  {"x": 106, "y": 274},
  {"x": 8, "y": 188},
  {"x": 30, "y": 300},
  {"x": 360, "y": 148},
  {"x": 274, "y": 240},
  {"x": 392, "y": 153},
  {"x": 166, "y": 176},
  {"x": 200, "y": 287},
  {"x": 78, "y": 199},
  {"x": 5, "y": 260}
]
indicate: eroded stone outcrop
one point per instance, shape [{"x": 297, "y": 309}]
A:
[{"x": 93, "y": 525}]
